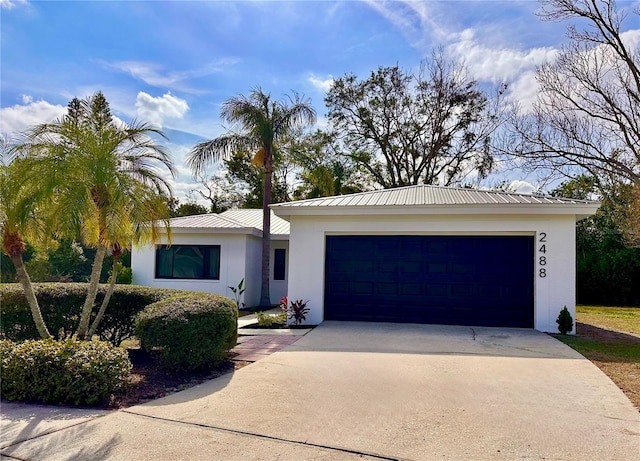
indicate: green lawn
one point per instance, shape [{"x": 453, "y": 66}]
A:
[
  {"x": 601, "y": 350},
  {"x": 621, "y": 319},
  {"x": 603, "y": 336}
]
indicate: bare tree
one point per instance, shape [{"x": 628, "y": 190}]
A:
[
  {"x": 429, "y": 127},
  {"x": 219, "y": 192},
  {"x": 587, "y": 115}
]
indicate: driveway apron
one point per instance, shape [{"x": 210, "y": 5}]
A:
[{"x": 348, "y": 390}]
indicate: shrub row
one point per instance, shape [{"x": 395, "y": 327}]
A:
[
  {"x": 61, "y": 303},
  {"x": 66, "y": 372},
  {"x": 189, "y": 332}
]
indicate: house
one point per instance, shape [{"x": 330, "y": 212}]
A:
[
  {"x": 427, "y": 254},
  {"x": 212, "y": 252}
]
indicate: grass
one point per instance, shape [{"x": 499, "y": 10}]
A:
[
  {"x": 603, "y": 350},
  {"x": 605, "y": 335},
  {"x": 621, "y": 319}
]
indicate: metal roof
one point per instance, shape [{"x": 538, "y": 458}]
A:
[
  {"x": 205, "y": 221},
  {"x": 253, "y": 218},
  {"x": 244, "y": 221},
  {"x": 429, "y": 196}
]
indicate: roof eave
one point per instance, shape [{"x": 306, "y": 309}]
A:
[
  {"x": 217, "y": 230},
  {"x": 579, "y": 209}
]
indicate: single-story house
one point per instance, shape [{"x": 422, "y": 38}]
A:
[
  {"x": 427, "y": 254},
  {"x": 212, "y": 252},
  {"x": 419, "y": 254}
]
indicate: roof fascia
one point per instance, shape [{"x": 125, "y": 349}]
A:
[{"x": 578, "y": 209}]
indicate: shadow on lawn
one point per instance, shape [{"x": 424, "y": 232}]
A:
[{"x": 584, "y": 330}]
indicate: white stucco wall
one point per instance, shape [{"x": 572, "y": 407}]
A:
[
  {"x": 232, "y": 263},
  {"x": 254, "y": 276},
  {"x": 278, "y": 288},
  {"x": 240, "y": 258},
  {"x": 551, "y": 293}
]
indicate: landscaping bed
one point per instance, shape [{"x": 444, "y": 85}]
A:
[
  {"x": 150, "y": 382},
  {"x": 277, "y": 326},
  {"x": 616, "y": 353}
]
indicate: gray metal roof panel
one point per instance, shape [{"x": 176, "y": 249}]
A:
[
  {"x": 231, "y": 220},
  {"x": 205, "y": 221},
  {"x": 429, "y": 195},
  {"x": 253, "y": 218}
]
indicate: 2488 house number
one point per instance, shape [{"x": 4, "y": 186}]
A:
[{"x": 542, "y": 252}]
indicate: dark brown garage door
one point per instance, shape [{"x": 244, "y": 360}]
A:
[{"x": 458, "y": 280}]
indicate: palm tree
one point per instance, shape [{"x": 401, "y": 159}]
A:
[
  {"x": 262, "y": 122},
  {"x": 105, "y": 180},
  {"x": 19, "y": 220}
]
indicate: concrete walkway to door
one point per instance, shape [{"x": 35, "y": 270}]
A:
[{"x": 377, "y": 391}]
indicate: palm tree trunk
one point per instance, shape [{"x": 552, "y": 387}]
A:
[
  {"x": 107, "y": 298},
  {"x": 25, "y": 281},
  {"x": 265, "y": 297},
  {"x": 96, "y": 270}
]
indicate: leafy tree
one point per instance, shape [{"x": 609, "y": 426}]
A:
[
  {"x": 323, "y": 169},
  {"x": 262, "y": 122},
  {"x": 189, "y": 209},
  {"x": 608, "y": 268},
  {"x": 587, "y": 115},
  {"x": 429, "y": 127},
  {"x": 104, "y": 181},
  {"x": 249, "y": 179}
]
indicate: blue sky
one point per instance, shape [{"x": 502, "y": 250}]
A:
[{"x": 173, "y": 63}]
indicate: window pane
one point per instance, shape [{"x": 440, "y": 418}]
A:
[
  {"x": 279, "y": 262},
  {"x": 188, "y": 262},
  {"x": 214, "y": 263},
  {"x": 164, "y": 262}
]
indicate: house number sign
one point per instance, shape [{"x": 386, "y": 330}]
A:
[{"x": 542, "y": 254}]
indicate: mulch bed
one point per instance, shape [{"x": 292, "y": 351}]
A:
[{"x": 149, "y": 382}]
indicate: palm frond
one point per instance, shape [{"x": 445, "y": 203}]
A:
[{"x": 216, "y": 149}]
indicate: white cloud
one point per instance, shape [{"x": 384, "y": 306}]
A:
[
  {"x": 417, "y": 21},
  {"x": 321, "y": 84},
  {"x": 20, "y": 117},
  {"x": 154, "y": 75},
  {"x": 497, "y": 64},
  {"x": 522, "y": 187},
  {"x": 422, "y": 25},
  {"x": 155, "y": 110},
  {"x": 10, "y": 4},
  {"x": 503, "y": 65}
]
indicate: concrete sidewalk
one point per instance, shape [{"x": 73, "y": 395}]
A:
[{"x": 374, "y": 391}]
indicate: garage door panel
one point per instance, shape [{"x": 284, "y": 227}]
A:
[{"x": 476, "y": 280}]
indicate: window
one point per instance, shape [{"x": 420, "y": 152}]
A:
[
  {"x": 279, "y": 263},
  {"x": 188, "y": 262}
]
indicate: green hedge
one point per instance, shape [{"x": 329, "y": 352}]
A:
[
  {"x": 62, "y": 372},
  {"x": 61, "y": 303},
  {"x": 189, "y": 332}
]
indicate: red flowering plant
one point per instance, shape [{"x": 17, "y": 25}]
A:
[{"x": 296, "y": 311}]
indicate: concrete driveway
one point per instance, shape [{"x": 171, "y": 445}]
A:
[{"x": 377, "y": 391}]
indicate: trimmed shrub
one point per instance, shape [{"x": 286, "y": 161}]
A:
[
  {"x": 61, "y": 303},
  {"x": 267, "y": 320},
  {"x": 564, "y": 321},
  {"x": 62, "y": 372},
  {"x": 189, "y": 332}
]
